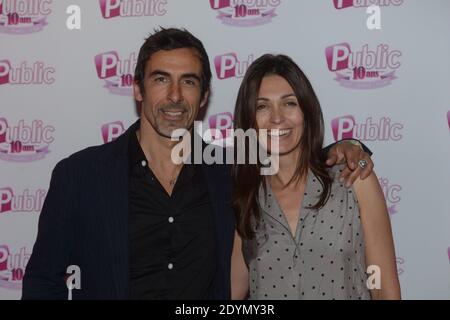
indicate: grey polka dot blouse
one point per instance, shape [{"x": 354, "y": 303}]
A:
[{"x": 325, "y": 259}]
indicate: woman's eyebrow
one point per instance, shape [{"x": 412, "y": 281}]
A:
[{"x": 282, "y": 97}]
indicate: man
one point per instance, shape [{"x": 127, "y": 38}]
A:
[{"x": 136, "y": 224}]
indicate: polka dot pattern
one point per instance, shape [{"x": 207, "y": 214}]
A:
[{"x": 323, "y": 260}]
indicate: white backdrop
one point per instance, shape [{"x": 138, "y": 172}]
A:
[{"x": 62, "y": 90}]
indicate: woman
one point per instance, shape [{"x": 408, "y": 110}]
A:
[{"x": 301, "y": 234}]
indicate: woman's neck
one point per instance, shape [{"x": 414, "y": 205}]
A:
[{"x": 287, "y": 168}]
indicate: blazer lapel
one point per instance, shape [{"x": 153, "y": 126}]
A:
[{"x": 116, "y": 210}]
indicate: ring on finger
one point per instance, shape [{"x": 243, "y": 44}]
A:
[{"x": 362, "y": 163}]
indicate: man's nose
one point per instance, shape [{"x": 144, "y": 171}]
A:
[{"x": 175, "y": 94}]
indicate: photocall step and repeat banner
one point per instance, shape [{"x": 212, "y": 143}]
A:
[{"x": 380, "y": 68}]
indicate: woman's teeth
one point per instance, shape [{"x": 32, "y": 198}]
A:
[{"x": 279, "y": 133}]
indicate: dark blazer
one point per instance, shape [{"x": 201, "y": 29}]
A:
[{"x": 84, "y": 222}]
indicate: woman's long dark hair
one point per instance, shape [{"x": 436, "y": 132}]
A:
[{"x": 246, "y": 177}]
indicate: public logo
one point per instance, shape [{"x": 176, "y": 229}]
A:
[
  {"x": 369, "y": 67},
  {"x": 371, "y": 129},
  {"x": 245, "y": 13},
  {"x": 220, "y": 125},
  {"x": 12, "y": 201},
  {"x": 391, "y": 193},
  {"x": 343, "y": 4},
  {"x": 25, "y": 142},
  {"x": 229, "y": 65},
  {"x": 12, "y": 267},
  {"x": 27, "y": 73},
  {"x": 132, "y": 8},
  {"x": 111, "y": 131},
  {"x": 24, "y": 16},
  {"x": 117, "y": 73}
]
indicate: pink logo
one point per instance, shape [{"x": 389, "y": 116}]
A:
[
  {"x": 391, "y": 194},
  {"x": 23, "y": 143},
  {"x": 12, "y": 267},
  {"x": 384, "y": 129},
  {"x": 342, "y": 4},
  {"x": 229, "y": 66},
  {"x": 132, "y": 8},
  {"x": 111, "y": 131},
  {"x": 25, "y": 201},
  {"x": 117, "y": 74},
  {"x": 221, "y": 125},
  {"x": 24, "y": 74},
  {"x": 364, "y": 69},
  {"x": 23, "y": 17},
  {"x": 245, "y": 13}
]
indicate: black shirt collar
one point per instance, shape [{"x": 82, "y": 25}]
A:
[{"x": 136, "y": 155}]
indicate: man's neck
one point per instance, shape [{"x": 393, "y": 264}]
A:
[{"x": 157, "y": 149}]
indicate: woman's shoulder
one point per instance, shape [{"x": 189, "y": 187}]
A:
[
  {"x": 335, "y": 171},
  {"x": 339, "y": 191}
]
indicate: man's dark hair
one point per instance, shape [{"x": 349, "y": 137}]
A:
[{"x": 170, "y": 39}]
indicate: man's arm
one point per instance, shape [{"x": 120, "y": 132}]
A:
[
  {"x": 363, "y": 146},
  {"x": 46, "y": 269},
  {"x": 350, "y": 151}
]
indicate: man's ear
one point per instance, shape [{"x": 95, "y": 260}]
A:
[
  {"x": 204, "y": 99},
  {"x": 137, "y": 91}
]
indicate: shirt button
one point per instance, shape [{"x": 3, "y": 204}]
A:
[
  {"x": 170, "y": 266},
  {"x": 171, "y": 219},
  {"x": 144, "y": 163}
]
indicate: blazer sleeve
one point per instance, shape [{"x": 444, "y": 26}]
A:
[
  {"x": 46, "y": 270},
  {"x": 327, "y": 148}
]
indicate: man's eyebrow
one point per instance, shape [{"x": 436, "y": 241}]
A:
[
  {"x": 159, "y": 73},
  {"x": 166, "y": 74},
  {"x": 191, "y": 75}
]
